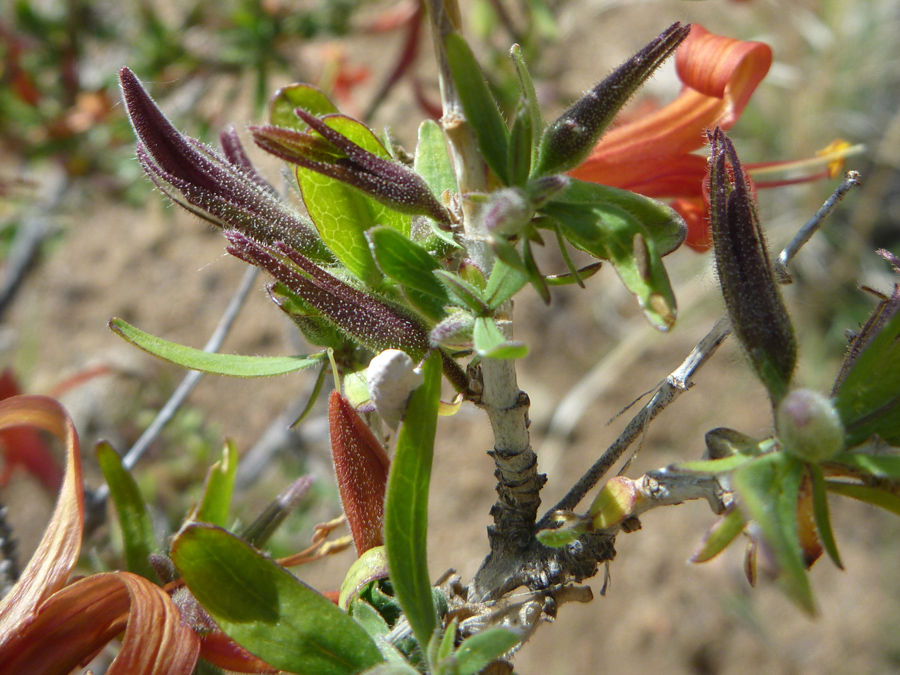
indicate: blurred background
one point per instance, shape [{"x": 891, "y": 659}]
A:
[{"x": 83, "y": 237}]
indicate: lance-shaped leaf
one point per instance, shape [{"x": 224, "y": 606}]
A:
[
  {"x": 222, "y": 191},
  {"x": 571, "y": 137},
  {"x": 267, "y": 610},
  {"x": 233, "y": 365},
  {"x": 867, "y": 391},
  {"x": 406, "y": 505},
  {"x": 137, "y": 528},
  {"x": 332, "y": 154},
  {"x": 372, "y": 321},
  {"x": 219, "y": 488},
  {"x": 769, "y": 489},
  {"x": 752, "y": 294},
  {"x": 361, "y": 466}
]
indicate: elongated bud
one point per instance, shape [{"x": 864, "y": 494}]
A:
[
  {"x": 752, "y": 294},
  {"x": 334, "y": 155},
  {"x": 569, "y": 140},
  {"x": 374, "y": 322},
  {"x": 361, "y": 466},
  {"x": 225, "y": 191}
]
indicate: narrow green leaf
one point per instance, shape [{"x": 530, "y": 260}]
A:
[
  {"x": 864, "y": 493},
  {"x": 520, "y": 148},
  {"x": 568, "y": 279},
  {"x": 369, "y": 618},
  {"x": 306, "y": 96},
  {"x": 465, "y": 294},
  {"x": 769, "y": 488},
  {"x": 479, "y": 105},
  {"x": 868, "y": 394},
  {"x": 879, "y": 466},
  {"x": 491, "y": 343},
  {"x": 534, "y": 274},
  {"x": 406, "y": 504},
  {"x": 503, "y": 283},
  {"x": 531, "y": 100},
  {"x": 714, "y": 466},
  {"x": 219, "y": 487},
  {"x": 267, "y": 610},
  {"x": 412, "y": 267},
  {"x": 726, "y": 529},
  {"x": 137, "y": 529},
  {"x": 342, "y": 214},
  {"x": 232, "y": 365},
  {"x": 448, "y": 640},
  {"x": 820, "y": 511},
  {"x": 432, "y": 161},
  {"x": 480, "y": 649}
]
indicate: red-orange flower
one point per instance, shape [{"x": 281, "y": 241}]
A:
[{"x": 654, "y": 154}]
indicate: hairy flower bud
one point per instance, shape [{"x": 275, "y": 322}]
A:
[
  {"x": 391, "y": 377},
  {"x": 330, "y": 153},
  {"x": 570, "y": 139},
  {"x": 752, "y": 294}
]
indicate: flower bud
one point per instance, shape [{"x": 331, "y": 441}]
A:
[
  {"x": 809, "y": 426},
  {"x": 569, "y": 140},
  {"x": 752, "y": 293}
]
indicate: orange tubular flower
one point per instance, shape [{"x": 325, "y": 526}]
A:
[{"x": 653, "y": 155}]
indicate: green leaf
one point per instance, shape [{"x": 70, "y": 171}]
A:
[
  {"x": 503, "y": 283},
  {"x": 570, "y": 278},
  {"x": 412, "y": 267},
  {"x": 267, "y": 610},
  {"x": 432, "y": 161},
  {"x": 864, "y": 493},
  {"x": 371, "y": 565},
  {"x": 219, "y": 487},
  {"x": 480, "y": 649},
  {"x": 868, "y": 395},
  {"x": 820, "y": 511},
  {"x": 490, "y": 342},
  {"x": 714, "y": 466},
  {"x": 393, "y": 668},
  {"x": 631, "y": 231},
  {"x": 478, "y": 105},
  {"x": 879, "y": 466},
  {"x": 232, "y": 365},
  {"x": 137, "y": 529},
  {"x": 726, "y": 529},
  {"x": 464, "y": 293},
  {"x": 286, "y": 99},
  {"x": 769, "y": 487},
  {"x": 531, "y": 100},
  {"x": 448, "y": 640},
  {"x": 520, "y": 148},
  {"x": 369, "y": 618},
  {"x": 406, "y": 504},
  {"x": 342, "y": 214}
]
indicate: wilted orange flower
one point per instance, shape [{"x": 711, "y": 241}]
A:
[
  {"x": 654, "y": 155},
  {"x": 49, "y": 627}
]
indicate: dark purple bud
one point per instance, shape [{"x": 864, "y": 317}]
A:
[
  {"x": 375, "y": 322},
  {"x": 326, "y": 151},
  {"x": 752, "y": 293},
  {"x": 570, "y": 139},
  {"x": 234, "y": 153},
  {"x": 226, "y": 192}
]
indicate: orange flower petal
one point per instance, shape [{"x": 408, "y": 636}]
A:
[
  {"x": 58, "y": 551},
  {"x": 74, "y": 623},
  {"x": 694, "y": 212},
  {"x": 719, "y": 76}
]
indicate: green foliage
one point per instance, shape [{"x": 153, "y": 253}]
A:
[
  {"x": 266, "y": 609},
  {"x": 137, "y": 528},
  {"x": 218, "y": 364},
  {"x": 406, "y": 505},
  {"x": 219, "y": 488}
]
